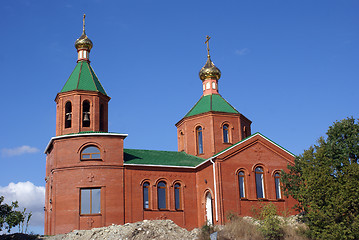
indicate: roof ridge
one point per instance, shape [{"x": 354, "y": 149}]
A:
[
  {"x": 194, "y": 106},
  {"x": 78, "y": 79},
  {"x": 228, "y": 103},
  {"x": 152, "y": 150},
  {"x": 98, "y": 81},
  {"x": 68, "y": 78},
  {"x": 250, "y": 136}
]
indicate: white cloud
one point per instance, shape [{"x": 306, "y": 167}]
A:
[
  {"x": 243, "y": 51},
  {"x": 9, "y": 152},
  {"x": 29, "y": 196}
]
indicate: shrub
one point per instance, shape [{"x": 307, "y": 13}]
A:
[{"x": 270, "y": 226}]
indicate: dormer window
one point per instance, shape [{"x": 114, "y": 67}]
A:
[
  {"x": 90, "y": 153},
  {"x": 86, "y": 114},
  {"x": 68, "y": 114}
]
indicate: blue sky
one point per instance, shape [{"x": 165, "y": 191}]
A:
[{"x": 289, "y": 66}]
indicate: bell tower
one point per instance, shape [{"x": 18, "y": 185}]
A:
[
  {"x": 82, "y": 104},
  {"x": 212, "y": 124}
]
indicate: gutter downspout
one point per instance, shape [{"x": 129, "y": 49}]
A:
[{"x": 215, "y": 188}]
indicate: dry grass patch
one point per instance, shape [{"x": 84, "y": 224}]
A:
[{"x": 241, "y": 229}]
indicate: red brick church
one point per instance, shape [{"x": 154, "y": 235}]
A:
[{"x": 93, "y": 181}]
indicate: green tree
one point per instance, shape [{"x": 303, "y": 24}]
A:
[
  {"x": 270, "y": 224},
  {"x": 10, "y": 217},
  {"x": 325, "y": 182}
]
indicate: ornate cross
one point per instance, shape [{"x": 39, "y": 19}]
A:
[
  {"x": 90, "y": 221},
  {"x": 90, "y": 177},
  {"x": 258, "y": 150},
  {"x": 207, "y": 42}
]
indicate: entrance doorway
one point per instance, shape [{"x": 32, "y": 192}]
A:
[{"x": 209, "y": 209}]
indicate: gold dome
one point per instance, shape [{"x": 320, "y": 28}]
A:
[
  {"x": 83, "y": 41},
  {"x": 209, "y": 70}
]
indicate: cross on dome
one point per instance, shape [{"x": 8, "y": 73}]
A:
[
  {"x": 209, "y": 70},
  {"x": 83, "y": 44},
  {"x": 207, "y": 42}
]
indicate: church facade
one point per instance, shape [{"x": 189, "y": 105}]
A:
[{"x": 93, "y": 181}]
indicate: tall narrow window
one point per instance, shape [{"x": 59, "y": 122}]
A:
[
  {"x": 90, "y": 201},
  {"x": 199, "y": 140},
  {"x": 178, "y": 196},
  {"x": 259, "y": 182},
  {"x": 68, "y": 114},
  {"x": 161, "y": 195},
  {"x": 277, "y": 186},
  {"x": 146, "y": 197},
  {"x": 242, "y": 192},
  {"x": 90, "y": 153},
  {"x": 86, "y": 114},
  {"x": 102, "y": 116},
  {"x": 225, "y": 133},
  {"x": 181, "y": 141}
]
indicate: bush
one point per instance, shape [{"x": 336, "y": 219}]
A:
[
  {"x": 206, "y": 231},
  {"x": 270, "y": 224}
]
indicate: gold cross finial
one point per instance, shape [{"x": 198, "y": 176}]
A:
[
  {"x": 83, "y": 29},
  {"x": 207, "y": 42}
]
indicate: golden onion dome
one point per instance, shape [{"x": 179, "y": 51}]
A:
[
  {"x": 209, "y": 70},
  {"x": 83, "y": 41}
]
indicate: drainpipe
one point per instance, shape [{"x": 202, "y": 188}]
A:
[{"x": 215, "y": 188}]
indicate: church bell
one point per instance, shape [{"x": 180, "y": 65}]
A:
[{"x": 86, "y": 116}]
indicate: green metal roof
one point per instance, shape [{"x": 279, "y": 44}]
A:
[
  {"x": 83, "y": 78},
  {"x": 212, "y": 102},
  {"x": 163, "y": 158}
]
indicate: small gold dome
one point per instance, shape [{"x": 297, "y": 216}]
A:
[
  {"x": 83, "y": 42},
  {"x": 209, "y": 70}
]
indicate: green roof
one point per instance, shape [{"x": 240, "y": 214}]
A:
[
  {"x": 164, "y": 158},
  {"x": 83, "y": 78},
  {"x": 211, "y": 103}
]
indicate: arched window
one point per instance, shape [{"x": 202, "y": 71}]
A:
[
  {"x": 86, "y": 114},
  {"x": 68, "y": 114},
  {"x": 242, "y": 192},
  {"x": 102, "y": 116},
  {"x": 90, "y": 153},
  {"x": 161, "y": 195},
  {"x": 277, "y": 185},
  {"x": 146, "y": 195},
  {"x": 259, "y": 182},
  {"x": 199, "y": 134},
  {"x": 178, "y": 204},
  {"x": 225, "y": 133}
]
